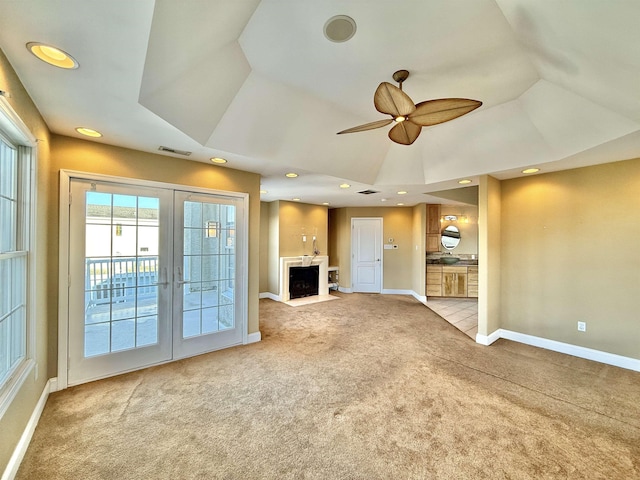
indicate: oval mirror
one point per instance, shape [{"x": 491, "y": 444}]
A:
[{"x": 450, "y": 237}]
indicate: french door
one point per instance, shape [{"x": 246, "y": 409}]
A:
[
  {"x": 205, "y": 286},
  {"x": 153, "y": 276}
]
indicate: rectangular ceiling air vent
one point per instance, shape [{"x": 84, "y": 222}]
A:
[
  {"x": 368, "y": 192},
  {"x": 173, "y": 150}
]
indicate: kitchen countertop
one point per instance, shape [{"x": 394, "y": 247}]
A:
[{"x": 461, "y": 263}]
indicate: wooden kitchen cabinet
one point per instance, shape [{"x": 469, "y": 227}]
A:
[
  {"x": 433, "y": 218},
  {"x": 454, "y": 281},
  {"x": 433, "y": 242},
  {"x": 472, "y": 282},
  {"x": 434, "y": 281},
  {"x": 433, "y": 228}
]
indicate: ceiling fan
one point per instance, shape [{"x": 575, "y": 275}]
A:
[{"x": 410, "y": 118}]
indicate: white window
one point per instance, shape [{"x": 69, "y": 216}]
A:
[{"x": 16, "y": 203}]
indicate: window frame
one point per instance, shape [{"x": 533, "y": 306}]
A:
[{"x": 14, "y": 132}]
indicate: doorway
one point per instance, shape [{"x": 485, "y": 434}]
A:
[
  {"x": 153, "y": 275},
  {"x": 366, "y": 254}
]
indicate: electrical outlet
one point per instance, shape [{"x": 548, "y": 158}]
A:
[{"x": 582, "y": 326}]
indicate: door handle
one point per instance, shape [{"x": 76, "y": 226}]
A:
[
  {"x": 166, "y": 279},
  {"x": 180, "y": 281}
]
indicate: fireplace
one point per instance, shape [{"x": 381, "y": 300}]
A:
[
  {"x": 303, "y": 281},
  {"x": 287, "y": 263}
]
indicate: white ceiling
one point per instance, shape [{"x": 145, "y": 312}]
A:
[{"x": 257, "y": 82}]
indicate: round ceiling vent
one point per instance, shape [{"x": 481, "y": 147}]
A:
[{"x": 340, "y": 28}]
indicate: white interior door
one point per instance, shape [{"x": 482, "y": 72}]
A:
[
  {"x": 207, "y": 310},
  {"x": 366, "y": 254},
  {"x": 119, "y": 295}
]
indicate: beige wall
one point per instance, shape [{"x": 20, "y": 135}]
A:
[
  {"x": 337, "y": 251},
  {"x": 397, "y": 223},
  {"x": 14, "y": 420},
  {"x": 287, "y": 223},
  {"x": 263, "y": 285},
  {"x": 570, "y": 253},
  {"x": 80, "y": 155},
  {"x": 419, "y": 234},
  {"x": 489, "y": 255},
  {"x": 298, "y": 219},
  {"x": 274, "y": 247}
]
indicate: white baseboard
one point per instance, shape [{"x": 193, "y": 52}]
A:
[
  {"x": 345, "y": 290},
  {"x": 21, "y": 448},
  {"x": 269, "y": 295},
  {"x": 420, "y": 298},
  {"x": 575, "y": 350},
  {"x": 254, "y": 337},
  {"x": 394, "y": 291},
  {"x": 488, "y": 339},
  {"x": 561, "y": 347}
]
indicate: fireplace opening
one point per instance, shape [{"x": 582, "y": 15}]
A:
[{"x": 303, "y": 281}]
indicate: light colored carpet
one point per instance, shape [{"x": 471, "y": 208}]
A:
[{"x": 368, "y": 387}]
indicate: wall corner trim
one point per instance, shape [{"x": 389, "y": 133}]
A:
[
  {"x": 272, "y": 296},
  {"x": 420, "y": 298},
  {"x": 21, "y": 448},
  {"x": 254, "y": 337},
  {"x": 488, "y": 339}
]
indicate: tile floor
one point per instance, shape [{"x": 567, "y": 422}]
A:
[{"x": 462, "y": 313}]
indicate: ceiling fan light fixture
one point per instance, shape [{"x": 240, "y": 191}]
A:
[
  {"x": 410, "y": 117},
  {"x": 52, "y": 55}
]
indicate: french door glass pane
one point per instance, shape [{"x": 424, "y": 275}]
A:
[
  {"x": 121, "y": 272},
  {"x": 208, "y": 268}
]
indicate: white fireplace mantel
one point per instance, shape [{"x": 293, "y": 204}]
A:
[{"x": 287, "y": 262}]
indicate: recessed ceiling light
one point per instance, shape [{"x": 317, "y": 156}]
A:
[
  {"x": 531, "y": 170},
  {"x": 383, "y": 199},
  {"x": 325, "y": 203},
  {"x": 400, "y": 204},
  {"x": 263, "y": 191},
  {"x": 218, "y": 160},
  {"x": 88, "y": 132},
  {"x": 402, "y": 192},
  {"x": 345, "y": 185},
  {"x": 291, "y": 175},
  {"x": 52, "y": 55},
  {"x": 464, "y": 182},
  {"x": 295, "y": 199}
]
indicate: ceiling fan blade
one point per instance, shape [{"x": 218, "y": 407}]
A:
[
  {"x": 393, "y": 101},
  {"x": 367, "y": 126},
  {"x": 405, "y": 133},
  {"x": 433, "y": 112}
]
